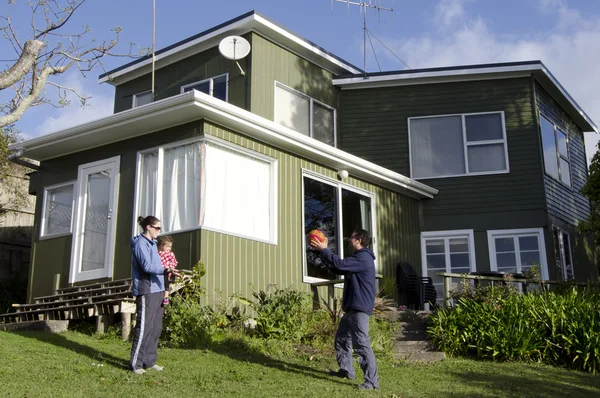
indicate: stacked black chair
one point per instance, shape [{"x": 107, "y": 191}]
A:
[{"x": 414, "y": 290}]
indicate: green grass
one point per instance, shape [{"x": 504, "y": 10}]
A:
[{"x": 34, "y": 364}]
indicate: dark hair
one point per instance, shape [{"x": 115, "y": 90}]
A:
[
  {"x": 145, "y": 221},
  {"x": 363, "y": 236},
  {"x": 163, "y": 240}
]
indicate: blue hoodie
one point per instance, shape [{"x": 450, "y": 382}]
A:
[
  {"x": 146, "y": 268},
  {"x": 359, "y": 278}
]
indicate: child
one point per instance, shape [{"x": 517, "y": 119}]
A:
[{"x": 167, "y": 257}]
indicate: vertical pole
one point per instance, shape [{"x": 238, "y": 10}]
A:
[
  {"x": 447, "y": 291},
  {"x": 125, "y": 325},
  {"x": 153, "y": 42},
  {"x": 365, "y": 43},
  {"x": 56, "y": 283}
]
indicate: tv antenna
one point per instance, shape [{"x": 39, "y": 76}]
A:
[
  {"x": 234, "y": 48},
  {"x": 364, "y": 6}
]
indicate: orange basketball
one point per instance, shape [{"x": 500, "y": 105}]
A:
[{"x": 316, "y": 234}]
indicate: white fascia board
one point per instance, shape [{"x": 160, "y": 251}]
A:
[
  {"x": 252, "y": 23},
  {"x": 195, "y": 105}
]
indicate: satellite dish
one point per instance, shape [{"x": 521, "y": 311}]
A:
[{"x": 234, "y": 47}]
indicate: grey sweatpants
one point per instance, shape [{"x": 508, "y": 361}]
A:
[
  {"x": 353, "y": 332},
  {"x": 147, "y": 330}
]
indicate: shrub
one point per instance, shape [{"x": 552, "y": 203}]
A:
[{"x": 559, "y": 329}]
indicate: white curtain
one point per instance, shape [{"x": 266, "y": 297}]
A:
[
  {"x": 181, "y": 187},
  {"x": 238, "y": 193},
  {"x": 292, "y": 110},
  {"x": 147, "y": 193}
]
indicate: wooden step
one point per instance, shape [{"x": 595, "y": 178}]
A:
[
  {"x": 83, "y": 293},
  {"x": 93, "y": 286}
]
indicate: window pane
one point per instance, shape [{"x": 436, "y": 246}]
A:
[
  {"x": 292, "y": 110},
  {"x": 549, "y": 144},
  {"x": 562, "y": 143},
  {"x": 320, "y": 212},
  {"x": 460, "y": 245},
  {"x": 459, "y": 261},
  {"x": 181, "y": 187},
  {"x": 486, "y": 158},
  {"x": 529, "y": 243},
  {"x": 506, "y": 260},
  {"x": 484, "y": 127},
  {"x": 565, "y": 173},
  {"x": 203, "y": 87},
  {"x": 237, "y": 193},
  {"x": 504, "y": 244},
  {"x": 148, "y": 185},
  {"x": 323, "y": 124},
  {"x": 530, "y": 258},
  {"x": 142, "y": 99},
  {"x": 59, "y": 210},
  {"x": 436, "y": 146},
  {"x": 356, "y": 214},
  {"x": 220, "y": 88},
  {"x": 567, "y": 251},
  {"x": 433, "y": 246},
  {"x": 435, "y": 278},
  {"x": 436, "y": 261}
]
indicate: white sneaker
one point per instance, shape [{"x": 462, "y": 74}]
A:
[
  {"x": 156, "y": 368},
  {"x": 139, "y": 371}
]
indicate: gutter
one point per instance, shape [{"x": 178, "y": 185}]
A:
[{"x": 15, "y": 157}]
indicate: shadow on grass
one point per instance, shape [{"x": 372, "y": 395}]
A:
[
  {"x": 239, "y": 350},
  {"x": 62, "y": 341},
  {"x": 523, "y": 381}
]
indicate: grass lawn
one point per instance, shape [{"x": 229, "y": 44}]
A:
[{"x": 34, "y": 364}]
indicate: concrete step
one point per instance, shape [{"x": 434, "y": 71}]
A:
[
  {"x": 44, "y": 326},
  {"x": 427, "y": 356}
]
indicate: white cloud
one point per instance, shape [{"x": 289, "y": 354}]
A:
[
  {"x": 99, "y": 105},
  {"x": 568, "y": 49},
  {"x": 448, "y": 12}
]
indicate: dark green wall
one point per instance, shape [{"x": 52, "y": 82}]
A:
[{"x": 169, "y": 79}]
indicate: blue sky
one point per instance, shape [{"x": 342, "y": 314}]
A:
[{"x": 565, "y": 35}]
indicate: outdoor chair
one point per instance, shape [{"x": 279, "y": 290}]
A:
[{"x": 414, "y": 290}]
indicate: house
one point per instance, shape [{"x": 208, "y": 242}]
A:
[{"x": 241, "y": 159}]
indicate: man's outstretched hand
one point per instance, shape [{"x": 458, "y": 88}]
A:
[{"x": 318, "y": 245}]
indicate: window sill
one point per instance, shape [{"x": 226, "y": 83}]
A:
[
  {"x": 463, "y": 175},
  {"x": 52, "y": 236}
]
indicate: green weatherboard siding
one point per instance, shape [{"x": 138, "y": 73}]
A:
[{"x": 233, "y": 264}]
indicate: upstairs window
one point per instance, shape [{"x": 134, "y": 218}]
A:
[
  {"x": 214, "y": 86},
  {"x": 458, "y": 145},
  {"x": 556, "y": 151},
  {"x": 142, "y": 98},
  {"x": 304, "y": 114}
]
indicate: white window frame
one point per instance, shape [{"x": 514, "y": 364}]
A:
[
  {"x": 43, "y": 226},
  {"x": 465, "y": 145},
  {"x": 273, "y": 164},
  {"x": 312, "y": 101},
  {"x": 446, "y": 236},
  {"x": 515, "y": 233},
  {"x": 559, "y": 156},
  {"x": 338, "y": 185},
  {"x": 134, "y": 99},
  {"x": 563, "y": 253},
  {"x": 211, "y": 81}
]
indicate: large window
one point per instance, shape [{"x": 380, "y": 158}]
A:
[
  {"x": 337, "y": 210},
  {"x": 556, "y": 151},
  {"x": 516, "y": 251},
  {"x": 142, "y": 98},
  {"x": 562, "y": 254},
  {"x": 214, "y": 86},
  {"x": 304, "y": 114},
  {"x": 58, "y": 210},
  {"x": 210, "y": 184},
  {"x": 458, "y": 145},
  {"x": 447, "y": 251}
]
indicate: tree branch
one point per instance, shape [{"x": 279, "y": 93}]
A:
[{"x": 26, "y": 60}]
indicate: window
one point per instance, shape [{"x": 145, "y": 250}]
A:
[
  {"x": 447, "y": 251},
  {"x": 458, "y": 145},
  {"x": 562, "y": 254},
  {"x": 209, "y": 183},
  {"x": 556, "y": 151},
  {"x": 142, "y": 98},
  {"x": 58, "y": 210},
  {"x": 516, "y": 251},
  {"x": 304, "y": 114},
  {"x": 214, "y": 86},
  {"x": 337, "y": 210}
]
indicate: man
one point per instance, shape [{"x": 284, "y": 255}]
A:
[{"x": 357, "y": 302}]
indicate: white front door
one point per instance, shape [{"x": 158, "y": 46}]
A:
[{"x": 94, "y": 224}]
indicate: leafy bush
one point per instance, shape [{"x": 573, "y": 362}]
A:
[{"x": 559, "y": 329}]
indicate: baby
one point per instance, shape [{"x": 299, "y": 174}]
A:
[{"x": 167, "y": 257}]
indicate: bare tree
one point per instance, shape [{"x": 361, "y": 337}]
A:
[{"x": 49, "y": 51}]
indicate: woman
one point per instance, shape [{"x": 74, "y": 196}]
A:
[{"x": 148, "y": 289}]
